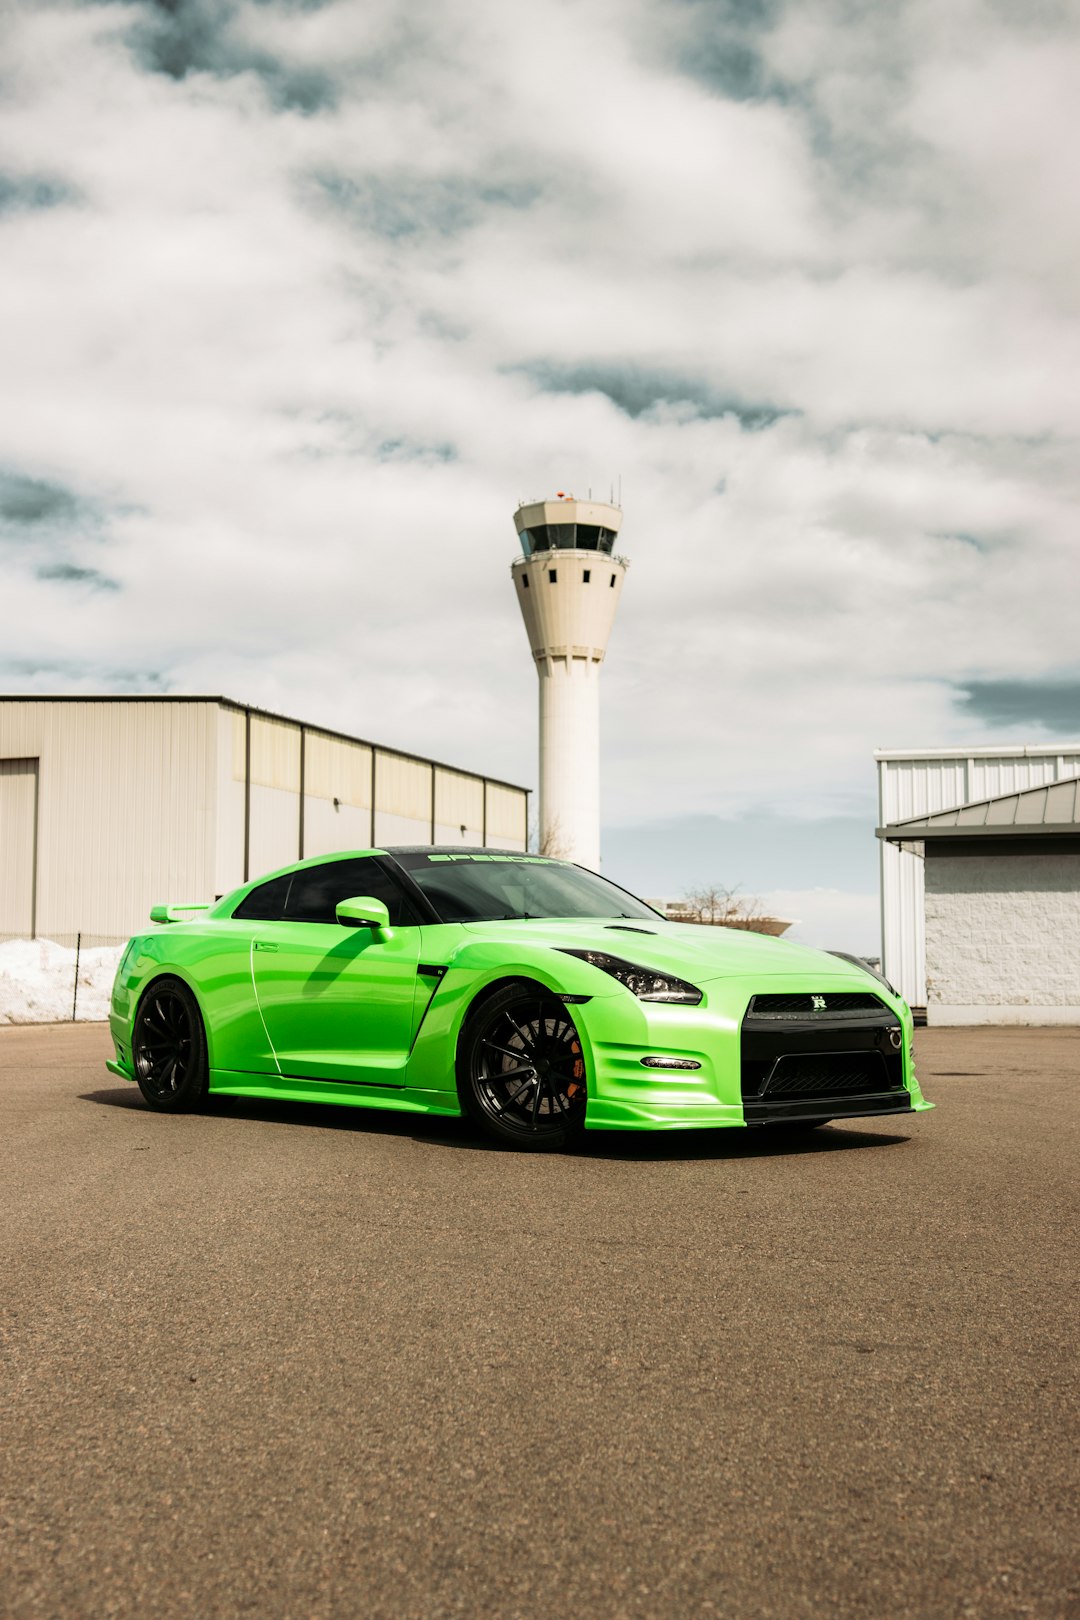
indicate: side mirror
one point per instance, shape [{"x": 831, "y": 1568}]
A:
[{"x": 363, "y": 912}]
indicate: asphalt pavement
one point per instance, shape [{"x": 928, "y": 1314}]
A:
[{"x": 301, "y": 1362}]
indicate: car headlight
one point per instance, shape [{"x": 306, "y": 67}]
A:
[
  {"x": 643, "y": 982},
  {"x": 860, "y": 961}
]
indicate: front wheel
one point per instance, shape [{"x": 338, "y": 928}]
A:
[
  {"x": 521, "y": 1071},
  {"x": 168, "y": 1045}
]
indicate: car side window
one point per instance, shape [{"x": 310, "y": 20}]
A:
[
  {"x": 316, "y": 892},
  {"x": 266, "y": 902}
]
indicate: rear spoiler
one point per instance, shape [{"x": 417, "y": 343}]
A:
[{"x": 170, "y": 914}]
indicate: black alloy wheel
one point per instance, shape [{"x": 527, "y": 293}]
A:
[
  {"x": 522, "y": 1071},
  {"x": 168, "y": 1045}
]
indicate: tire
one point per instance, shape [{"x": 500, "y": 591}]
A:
[
  {"x": 521, "y": 1070},
  {"x": 168, "y": 1048}
]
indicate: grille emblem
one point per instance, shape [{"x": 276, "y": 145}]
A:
[{"x": 817, "y": 1003}]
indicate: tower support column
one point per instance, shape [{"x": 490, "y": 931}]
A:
[{"x": 570, "y": 759}]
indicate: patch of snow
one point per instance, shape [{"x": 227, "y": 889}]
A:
[{"x": 37, "y": 981}]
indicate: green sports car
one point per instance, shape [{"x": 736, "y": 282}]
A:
[{"x": 529, "y": 993}]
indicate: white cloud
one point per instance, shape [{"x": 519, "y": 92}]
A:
[{"x": 305, "y": 316}]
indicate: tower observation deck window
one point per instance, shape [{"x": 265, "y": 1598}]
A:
[{"x": 567, "y": 537}]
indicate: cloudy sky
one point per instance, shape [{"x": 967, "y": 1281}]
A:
[{"x": 299, "y": 300}]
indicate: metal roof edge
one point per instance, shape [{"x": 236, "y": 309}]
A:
[
  {"x": 906, "y": 832},
  {"x": 113, "y": 697},
  {"x": 996, "y": 751},
  {"x": 932, "y": 822},
  {"x": 266, "y": 714}
]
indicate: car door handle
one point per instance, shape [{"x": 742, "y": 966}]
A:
[{"x": 264, "y": 945}]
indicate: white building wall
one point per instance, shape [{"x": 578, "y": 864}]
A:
[
  {"x": 340, "y": 777},
  {"x": 274, "y": 832},
  {"x": 337, "y": 797},
  {"x": 1003, "y": 938},
  {"x": 110, "y": 806},
  {"x": 459, "y": 808},
  {"x": 404, "y": 800},
  {"x": 230, "y": 754},
  {"x": 506, "y": 818},
  {"x": 917, "y": 784},
  {"x": 126, "y": 808}
]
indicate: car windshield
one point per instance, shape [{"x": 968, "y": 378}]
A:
[{"x": 488, "y": 888}]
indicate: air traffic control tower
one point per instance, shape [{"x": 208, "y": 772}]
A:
[{"x": 568, "y": 585}]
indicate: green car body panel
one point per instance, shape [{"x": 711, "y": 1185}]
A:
[{"x": 372, "y": 1017}]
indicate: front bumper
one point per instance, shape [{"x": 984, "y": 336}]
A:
[{"x": 731, "y": 1085}]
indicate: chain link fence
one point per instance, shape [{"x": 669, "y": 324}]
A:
[{"x": 64, "y": 979}]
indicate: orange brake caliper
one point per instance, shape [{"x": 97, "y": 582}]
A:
[{"x": 579, "y": 1070}]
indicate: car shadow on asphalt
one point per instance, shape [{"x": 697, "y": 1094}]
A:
[
  {"x": 440, "y": 1131},
  {"x": 767, "y": 1142}
]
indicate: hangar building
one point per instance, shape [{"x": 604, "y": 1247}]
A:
[
  {"x": 980, "y": 882},
  {"x": 110, "y": 805}
]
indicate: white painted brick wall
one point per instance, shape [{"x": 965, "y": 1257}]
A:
[{"x": 1003, "y": 931}]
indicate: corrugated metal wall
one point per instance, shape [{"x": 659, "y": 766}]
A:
[
  {"x": 404, "y": 790},
  {"x": 231, "y": 799},
  {"x": 459, "y": 808},
  {"x": 274, "y": 826},
  {"x": 356, "y": 796},
  {"x": 507, "y": 816},
  {"x": 916, "y": 785},
  {"x": 134, "y": 801},
  {"x": 126, "y": 808},
  {"x": 337, "y": 799}
]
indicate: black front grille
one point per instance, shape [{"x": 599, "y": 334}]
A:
[
  {"x": 823, "y": 1005},
  {"x": 827, "y": 1074},
  {"x": 804, "y": 1062}
]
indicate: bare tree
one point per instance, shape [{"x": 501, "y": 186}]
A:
[
  {"x": 552, "y": 843},
  {"x": 720, "y": 906}
]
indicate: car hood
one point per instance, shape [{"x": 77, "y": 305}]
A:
[{"x": 688, "y": 950}]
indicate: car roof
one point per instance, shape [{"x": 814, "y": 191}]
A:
[{"x": 454, "y": 849}]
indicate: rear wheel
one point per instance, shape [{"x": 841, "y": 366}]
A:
[
  {"x": 521, "y": 1071},
  {"x": 168, "y": 1044}
]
